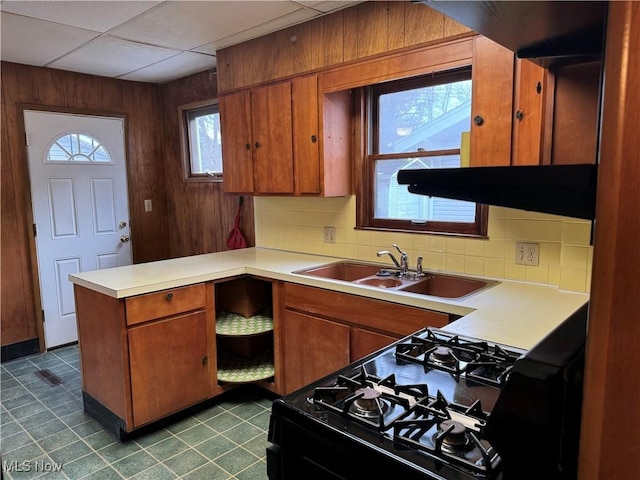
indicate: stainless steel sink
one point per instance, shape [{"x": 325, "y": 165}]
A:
[
  {"x": 381, "y": 282},
  {"x": 376, "y": 275},
  {"x": 346, "y": 271},
  {"x": 447, "y": 286}
]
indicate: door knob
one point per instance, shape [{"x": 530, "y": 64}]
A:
[{"x": 124, "y": 238}]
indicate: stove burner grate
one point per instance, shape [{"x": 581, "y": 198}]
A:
[
  {"x": 448, "y": 432},
  {"x": 368, "y": 399}
]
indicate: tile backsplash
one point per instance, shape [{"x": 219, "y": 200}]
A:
[{"x": 297, "y": 224}]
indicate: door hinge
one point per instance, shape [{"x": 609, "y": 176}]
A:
[
  {"x": 42, "y": 316},
  {"x": 27, "y": 138},
  {"x": 35, "y": 230}
]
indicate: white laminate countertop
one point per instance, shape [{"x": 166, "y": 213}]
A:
[{"x": 511, "y": 313}]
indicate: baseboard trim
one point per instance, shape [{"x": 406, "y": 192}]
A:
[
  {"x": 19, "y": 349},
  {"x": 105, "y": 417}
]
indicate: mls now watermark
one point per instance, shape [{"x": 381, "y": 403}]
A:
[{"x": 31, "y": 466}]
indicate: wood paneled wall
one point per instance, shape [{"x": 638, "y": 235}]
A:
[
  {"x": 186, "y": 219},
  {"x": 364, "y": 30},
  {"x": 201, "y": 215},
  {"x": 64, "y": 91}
]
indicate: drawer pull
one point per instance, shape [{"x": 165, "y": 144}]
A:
[
  {"x": 205, "y": 360},
  {"x": 169, "y": 297}
]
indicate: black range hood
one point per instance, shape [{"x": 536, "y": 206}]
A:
[
  {"x": 549, "y": 33},
  {"x": 568, "y": 190}
]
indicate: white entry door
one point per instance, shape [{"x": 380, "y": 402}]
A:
[{"x": 80, "y": 208}]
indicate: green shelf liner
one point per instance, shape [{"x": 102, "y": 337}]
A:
[
  {"x": 233, "y": 369},
  {"x": 232, "y": 324}
]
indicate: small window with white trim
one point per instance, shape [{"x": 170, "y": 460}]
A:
[{"x": 202, "y": 143}]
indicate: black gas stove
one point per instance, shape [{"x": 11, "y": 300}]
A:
[{"x": 438, "y": 406}]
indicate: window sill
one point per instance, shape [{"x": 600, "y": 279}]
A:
[
  {"x": 206, "y": 179},
  {"x": 423, "y": 232}
]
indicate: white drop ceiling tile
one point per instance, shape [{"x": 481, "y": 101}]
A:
[
  {"x": 187, "y": 25},
  {"x": 100, "y": 16},
  {"x": 36, "y": 42},
  {"x": 279, "y": 23},
  {"x": 112, "y": 57},
  {"x": 182, "y": 65}
]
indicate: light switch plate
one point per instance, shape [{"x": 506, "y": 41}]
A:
[{"x": 527, "y": 253}]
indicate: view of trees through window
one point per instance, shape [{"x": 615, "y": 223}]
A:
[
  {"x": 419, "y": 124},
  {"x": 205, "y": 143}
]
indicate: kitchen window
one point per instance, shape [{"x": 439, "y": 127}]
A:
[
  {"x": 417, "y": 123},
  {"x": 202, "y": 142}
]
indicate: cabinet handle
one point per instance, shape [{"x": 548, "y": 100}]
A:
[
  {"x": 247, "y": 146},
  {"x": 257, "y": 144},
  {"x": 519, "y": 115},
  {"x": 539, "y": 88},
  {"x": 314, "y": 139},
  {"x": 478, "y": 120},
  {"x": 169, "y": 297},
  {"x": 205, "y": 360}
]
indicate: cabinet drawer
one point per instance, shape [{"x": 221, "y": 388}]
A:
[{"x": 165, "y": 303}]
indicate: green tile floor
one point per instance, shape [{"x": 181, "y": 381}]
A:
[{"x": 43, "y": 426}]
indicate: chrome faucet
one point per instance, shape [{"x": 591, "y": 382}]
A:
[
  {"x": 419, "y": 272},
  {"x": 404, "y": 260},
  {"x": 387, "y": 252}
]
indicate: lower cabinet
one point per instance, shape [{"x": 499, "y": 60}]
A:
[
  {"x": 363, "y": 342},
  {"x": 313, "y": 348},
  {"x": 169, "y": 361},
  {"x": 324, "y": 330},
  {"x": 245, "y": 333},
  {"x": 149, "y": 356}
]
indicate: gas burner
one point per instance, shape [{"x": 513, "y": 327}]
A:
[
  {"x": 454, "y": 437},
  {"x": 369, "y": 404},
  {"x": 443, "y": 356}
]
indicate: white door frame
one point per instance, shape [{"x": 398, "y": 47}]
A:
[{"x": 31, "y": 240}]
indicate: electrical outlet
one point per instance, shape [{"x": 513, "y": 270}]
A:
[
  {"x": 527, "y": 253},
  {"x": 329, "y": 234},
  {"x": 148, "y": 206}
]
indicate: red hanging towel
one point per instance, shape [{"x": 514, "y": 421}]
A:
[{"x": 236, "y": 239}]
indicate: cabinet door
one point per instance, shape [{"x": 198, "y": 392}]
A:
[
  {"x": 235, "y": 128},
  {"x": 313, "y": 348},
  {"x": 364, "y": 342},
  {"x": 271, "y": 126},
  {"x": 169, "y": 366},
  {"x": 306, "y": 134},
  {"x": 492, "y": 103},
  {"x": 528, "y": 127}
]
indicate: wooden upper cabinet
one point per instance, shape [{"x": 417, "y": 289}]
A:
[
  {"x": 306, "y": 134},
  {"x": 235, "y": 128},
  {"x": 492, "y": 103},
  {"x": 297, "y": 142},
  {"x": 272, "y": 132},
  {"x": 257, "y": 152},
  {"x": 573, "y": 120},
  {"x": 530, "y": 92}
]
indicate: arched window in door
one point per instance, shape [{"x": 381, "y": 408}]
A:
[{"x": 78, "y": 147}]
